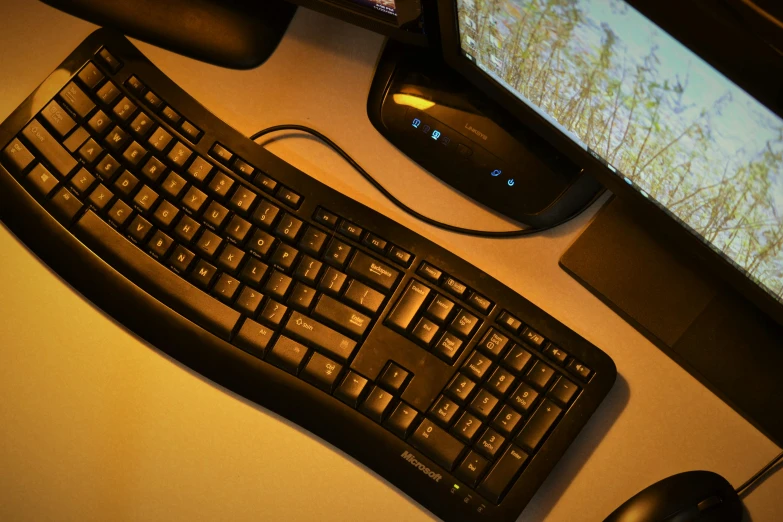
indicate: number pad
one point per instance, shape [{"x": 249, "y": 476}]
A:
[
  {"x": 477, "y": 365},
  {"x": 466, "y": 428}
]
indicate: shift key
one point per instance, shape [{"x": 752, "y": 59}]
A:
[
  {"x": 341, "y": 316},
  {"x": 320, "y": 336},
  {"x": 49, "y": 148}
]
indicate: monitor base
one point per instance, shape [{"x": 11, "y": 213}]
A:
[
  {"x": 704, "y": 325},
  {"x": 239, "y": 34},
  {"x": 458, "y": 134}
]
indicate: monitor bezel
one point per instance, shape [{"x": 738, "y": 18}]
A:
[
  {"x": 407, "y": 26},
  {"x": 660, "y": 222}
]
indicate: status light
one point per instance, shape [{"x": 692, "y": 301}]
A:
[
  {"x": 416, "y": 123},
  {"x": 435, "y": 134}
]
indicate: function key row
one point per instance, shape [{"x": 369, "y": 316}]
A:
[
  {"x": 255, "y": 175},
  {"x": 369, "y": 239},
  {"x": 454, "y": 286},
  {"x": 532, "y": 338},
  {"x": 165, "y": 111}
]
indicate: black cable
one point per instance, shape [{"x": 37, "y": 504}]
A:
[
  {"x": 763, "y": 471},
  {"x": 409, "y": 210}
]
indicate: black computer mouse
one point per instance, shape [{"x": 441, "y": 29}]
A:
[{"x": 700, "y": 496}]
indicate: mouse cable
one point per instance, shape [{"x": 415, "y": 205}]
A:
[
  {"x": 438, "y": 224},
  {"x": 763, "y": 471}
]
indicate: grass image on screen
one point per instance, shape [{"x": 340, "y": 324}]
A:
[
  {"x": 662, "y": 118},
  {"x": 384, "y": 6}
]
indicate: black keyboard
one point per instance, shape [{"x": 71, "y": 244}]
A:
[{"x": 451, "y": 386}]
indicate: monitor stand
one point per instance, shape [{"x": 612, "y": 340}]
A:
[{"x": 702, "y": 323}]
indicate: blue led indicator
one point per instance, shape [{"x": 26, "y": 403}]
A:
[
  {"x": 445, "y": 140},
  {"x": 511, "y": 182},
  {"x": 497, "y": 172},
  {"x": 435, "y": 134},
  {"x": 416, "y": 123},
  {"x": 425, "y": 128}
]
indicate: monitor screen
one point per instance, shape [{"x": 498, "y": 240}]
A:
[
  {"x": 652, "y": 111},
  {"x": 383, "y": 6}
]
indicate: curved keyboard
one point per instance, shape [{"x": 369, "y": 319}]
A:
[{"x": 451, "y": 386}]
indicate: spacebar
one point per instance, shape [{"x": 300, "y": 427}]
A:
[{"x": 154, "y": 278}]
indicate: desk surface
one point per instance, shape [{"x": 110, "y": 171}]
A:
[{"x": 98, "y": 425}]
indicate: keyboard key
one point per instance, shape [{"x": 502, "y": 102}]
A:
[
  {"x": 200, "y": 169},
  {"x": 66, "y": 205},
  {"x": 481, "y": 303},
  {"x": 264, "y": 182},
  {"x": 160, "y": 139},
  {"x": 113, "y": 63},
  {"x": 507, "y": 420},
  {"x": 438, "y": 445},
  {"x": 90, "y": 151},
  {"x": 49, "y": 148},
  {"x": 429, "y": 272},
  {"x": 440, "y": 309},
  {"x": 509, "y": 321},
  {"x": 457, "y": 288},
  {"x": 289, "y": 196},
  {"x": 467, "y": 427},
  {"x": 351, "y": 389},
  {"x": 135, "y": 85},
  {"x": 490, "y": 443},
  {"x": 75, "y": 98},
  {"x": 139, "y": 229},
  {"x": 500, "y": 382},
  {"x": 261, "y": 243},
  {"x": 238, "y": 229},
  {"x": 61, "y": 121},
  {"x": 173, "y": 185},
  {"x": 76, "y": 139},
  {"x": 191, "y": 131},
  {"x": 538, "y": 426},
  {"x": 402, "y": 420},
  {"x": 341, "y": 316},
  {"x": 376, "y": 404},
  {"x": 108, "y": 93},
  {"x": 288, "y": 228},
  {"x": 253, "y": 271},
  {"x": 332, "y": 281},
  {"x": 313, "y": 241},
  {"x": 444, "y": 411},
  {"x": 308, "y": 269},
  {"x": 134, "y": 154},
  {"x": 225, "y": 288},
  {"x": 425, "y": 331},
  {"x": 540, "y": 375},
  {"x": 253, "y": 337},
  {"x": 580, "y": 369},
  {"x": 277, "y": 285},
  {"x": 100, "y": 197},
  {"x": 493, "y": 343},
  {"x": 43, "y": 180},
  {"x": 464, "y": 324},
  {"x": 372, "y": 271},
  {"x": 408, "y": 306},
  {"x": 171, "y": 115},
  {"x": 125, "y": 184},
  {"x": 532, "y": 337},
  {"x": 180, "y": 259},
  {"x": 477, "y": 366},
  {"x": 90, "y": 75},
  {"x": 194, "y": 200},
  {"x": 82, "y": 181},
  {"x": 472, "y": 469},
  {"x": 325, "y": 217},
  {"x": 16, "y": 157},
  {"x": 337, "y": 253},
  {"x": 273, "y": 313},
  {"x": 215, "y": 214},
  {"x": 287, "y": 355},
  {"x": 248, "y": 301},
  {"x": 153, "y": 169},
  {"x": 242, "y": 200},
  {"x": 400, "y": 256},
  {"x": 99, "y": 123},
  {"x": 284, "y": 257},
  {"x": 179, "y": 154},
  {"x": 230, "y": 258},
  {"x": 120, "y": 213},
  {"x": 375, "y": 243},
  {"x": 517, "y": 359},
  {"x": 221, "y": 153},
  {"x": 322, "y": 372},
  {"x": 503, "y": 474},
  {"x": 555, "y": 353},
  {"x": 160, "y": 244},
  {"x": 523, "y": 398},
  {"x": 141, "y": 125},
  {"x": 208, "y": 244},
  {"x": 448, "y": 348},
  {"x": 393, "y": 378},
  {"x": 350, "y": 230},
  {"x": 153, "y": 100},
  {"x": 483, "y": 404},
  {"x": 265, "y": 214},
  {"x": 460, "y": 388},
  {"x": 124, "y": 109},
  {"x": 186, "y": 229},
  {"x": 116, "y": 139},
  {"x": 563, "y": 391},
  {"x": 323, "y": 338},
  {"x": 301, "y": 297},
  {"x": 363, "y": 297}
]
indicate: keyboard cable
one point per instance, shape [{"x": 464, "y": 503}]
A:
[
  {"x": 430, "y": 221},
  {"x": 744, "y": 489}
]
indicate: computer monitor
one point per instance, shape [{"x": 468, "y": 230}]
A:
[{"x": 700, "y": 153}]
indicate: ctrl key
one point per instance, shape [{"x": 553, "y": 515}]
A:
[
  {"x": 501, "y": 476},
  {"x": 437, "y": 444}
]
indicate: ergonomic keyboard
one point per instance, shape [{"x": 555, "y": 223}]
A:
[{"x": 451, "y": 386}]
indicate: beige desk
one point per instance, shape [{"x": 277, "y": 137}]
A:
[{"x": 97, "y": 425}]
